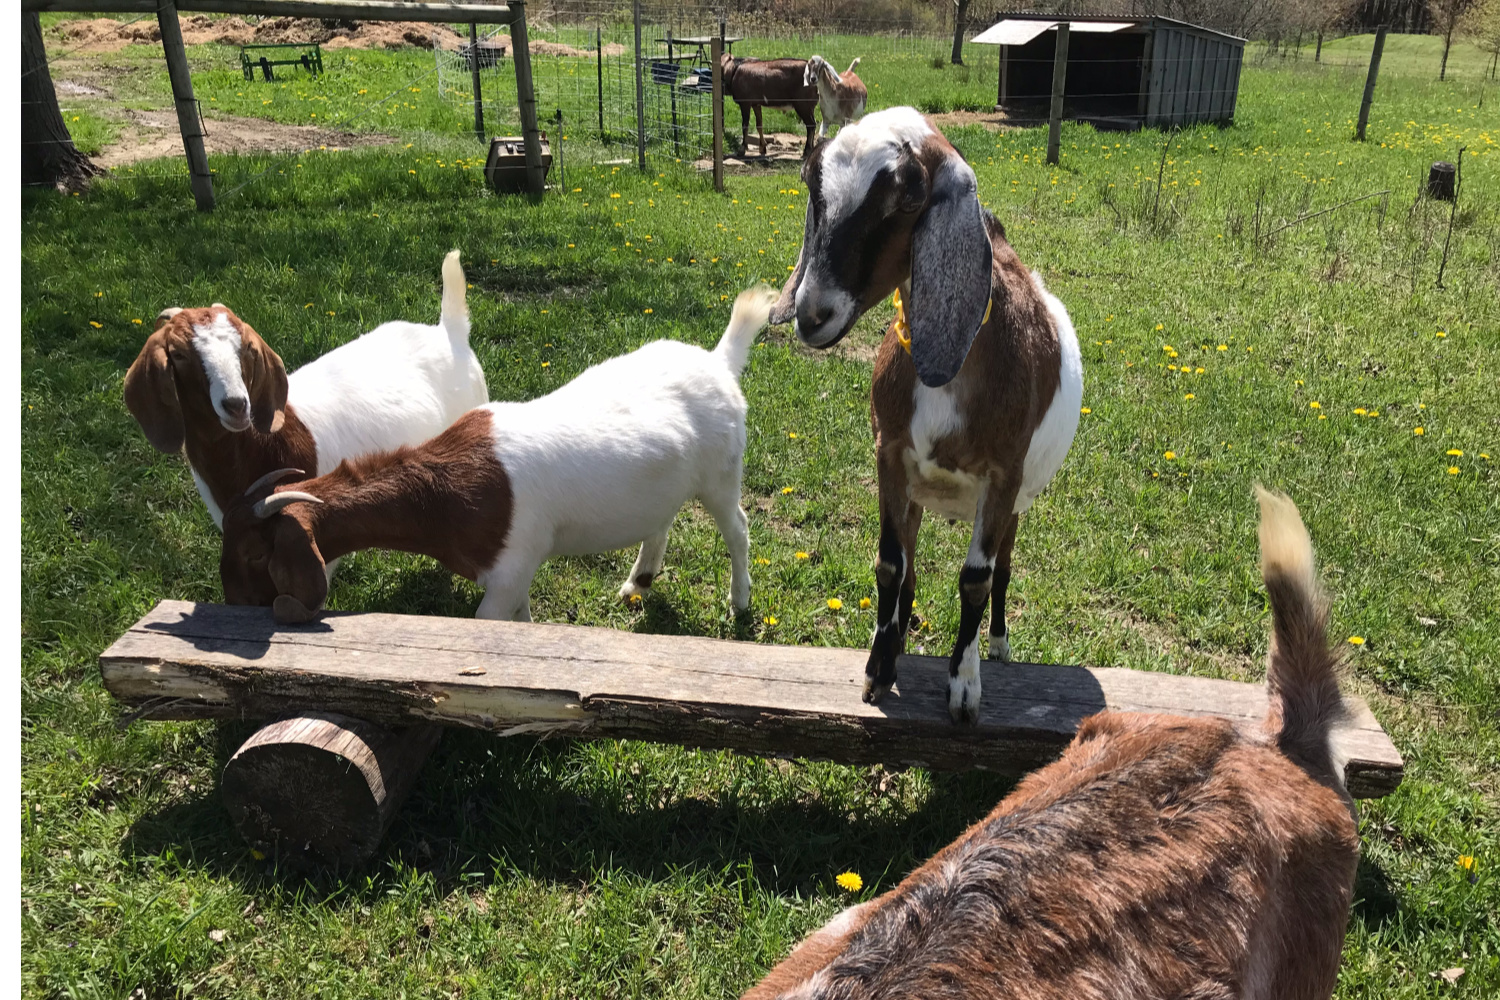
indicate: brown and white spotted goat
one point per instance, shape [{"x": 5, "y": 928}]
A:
[
  {"x": 973, "y": 412},
  {"x": 1162, "y": 856}
]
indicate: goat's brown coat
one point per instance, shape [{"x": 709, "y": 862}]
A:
[{"x": 769, "y": 83}]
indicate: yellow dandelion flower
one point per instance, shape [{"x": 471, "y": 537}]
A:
[
  {"x": 1085, "y": 410},
  {"x": 762, "y": 561},
  {"x": 136, "y": 322},
  {"x": 1452, "y": 470},
  {"x": 1315, "y": 405},
  {"x": 792, "y": 435},
  {"x": 1456, "y": 452},
  {"x": 614, "y": 194},
  {"x": 1170, "y": 456},
  {"x": 802, "y": 555},
  {"x": 1467, "y": 862},
  {"x": 1440, "y": 333},
  {"x": 1418, "y": 431},
  {"x": 1223, "y": 347},
  {"x": 1356, "y": 640},
  {"x": 646, "y": 311},
  {"x": 769, "y": 619},
  {"x": 1189, "y": 396},
  {"x": 1484, "y": 455},
  {"x": 834, "y": 604},
  {"x": 1359, "y": 411},
  {"x": 546, "y": 364},
  {"x": 864, "y": 604},
  {"x": 850, "y": 882},
  {"x": 788, "y": 489},
  {"x": 1198, "y": 371}
]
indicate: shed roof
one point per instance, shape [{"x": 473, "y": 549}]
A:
[{"x": 1018, "y": 29}]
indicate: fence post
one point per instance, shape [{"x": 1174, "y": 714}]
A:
[
  {"x": 676, "y": 137},
  {"x": 1364, "y": 105},
  {"x": 1059, "y": 83},
  {"x": 640, "y": 93},
  {"x": 187, "y": 108},
  {"x": 474, "y": 68},
  {"x": 536, "y": 177},
  {"x": 716, "y": 52},
  {"x": 599, "y": 52}
]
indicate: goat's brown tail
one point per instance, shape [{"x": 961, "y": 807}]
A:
[{"x": 1300, "y": 669}]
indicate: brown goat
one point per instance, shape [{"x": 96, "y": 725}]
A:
[
  {"x": 1162, "y": 856},
  {"x": 769, "y": 83}
]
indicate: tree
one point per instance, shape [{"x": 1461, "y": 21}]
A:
[
  {"x": 960, "y": 23},
  {"x": 1447, "y": 14},
  {"x": 1481, "y": 23},
  {"x": 48, "y": 155}
]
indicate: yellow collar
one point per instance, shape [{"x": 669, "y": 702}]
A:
[{"x": 903, "y": 329}]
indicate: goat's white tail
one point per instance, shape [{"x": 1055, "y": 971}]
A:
[
  {"x": 1300, "y": 669},
  {"x": 455, "y": 317},
  {"x": 752, "y": 308},
  {"x": 852, "y": 65}
]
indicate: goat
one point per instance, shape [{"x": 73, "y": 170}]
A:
[
  {"x": 841, "y": 97},
  {"x": 974, "y": 412},
  {"x": 601, "y": 463},
  {"x": 1162, "y": 856},
  {"x": 769, "y": 83},
  {"x": 206, "y": 383}
]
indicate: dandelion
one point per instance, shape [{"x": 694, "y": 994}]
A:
[
  {"x": 614, "y": 194},
  {"x": 646, "y": 311},
  {"x": 1452, "y": 470},
  {"x": 570, "y": 246},
  {"x": 802, "y": 555},
  {"x": 1467, "y": 862},
  {"x": 1197, "y": 371},
  {"x": 1356, "y": 640},
  {"x": 792, "y": 435},
  {"x": 834, "y": 604},
  {"x": 136, "y": 322},
  {"x": 769, "y": 619},
  {"x": 1418, "y": 431},
  {"x": 1223, "y": 347},
  {"x": 762, "y": 561},
  {"x": 788, "y": 489},
  {"x": 1085, "y": 410},
  {"x": 546, "y": 364},
  {"x": 864, "y": 604},
  {"x": 849, "y": 882},
  {"x": 1456, "y": 452},
  {"x": 1189, "y": 396},
  {"x": 1315, "y": 405},
  {"x": 1170, "y": 456},
  {"x": 1161, "y": 326},
  {"x": 1484, "y": 455},
  {"x": 1359, "y": 411},
  {"x": 1440, "y": 333},
  {"x": 96, "y": 326}
]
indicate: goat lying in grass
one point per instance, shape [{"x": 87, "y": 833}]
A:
[
  {"x": 604, "y": 462},
  {"x": 1160, "y": 857},
  {"x": 205, "y": 382}
]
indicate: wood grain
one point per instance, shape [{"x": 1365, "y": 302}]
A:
[{"x": 186, "y": 660}]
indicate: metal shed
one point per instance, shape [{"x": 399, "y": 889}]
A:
[{"x": 1122, "y": 72}]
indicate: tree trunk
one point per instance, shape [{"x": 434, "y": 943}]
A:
[
  {"x": 48, "y": 155},
  {"x": 1447, "y": 44},
  {"x": 1318, "y": 55},
  {"x": 960, "y": 23}
]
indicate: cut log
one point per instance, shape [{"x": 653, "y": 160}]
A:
[
  {"x": 1440, "y": 180},
  {"x": 194, "y": 661},
  {"x": 323, "y": 785}
]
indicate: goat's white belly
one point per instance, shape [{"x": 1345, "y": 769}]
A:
[{"x": 949, "y": 492}]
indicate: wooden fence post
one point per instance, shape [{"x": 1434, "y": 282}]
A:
[
  {"x": 716, "y": 50},
  {"x": 1059, "y": 83},
  {"x": 1369, "y": 98},
  {"x": 474, "y": 68},
  {"x": 187, "y": 108},
  {"x": 640, "y": 93},
  {"x": 536, "y": 177}
]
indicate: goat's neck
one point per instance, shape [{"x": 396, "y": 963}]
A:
[{"x": 229, "y": 461}]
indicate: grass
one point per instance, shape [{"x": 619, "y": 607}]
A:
[{"x": 627, "y": 869}]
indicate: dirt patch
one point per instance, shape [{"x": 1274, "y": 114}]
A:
[
  {"x": 72, "y": 88},
  {"x": 783, "y": 149},
  {"x": 994, "y": 121},
  {"x": 146, "y": 135},
  {"x": 500, "y": 44}
]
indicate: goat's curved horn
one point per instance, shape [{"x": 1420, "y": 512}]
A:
[
  {"x": 163, "y": 317},
  {"x": 276, "y": 501},
  {"x": 269, "y": 479}
]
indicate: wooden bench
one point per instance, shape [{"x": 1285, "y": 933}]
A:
[
  {"x": 331, "y": 781},
  {"x": 310, "y": 58}
]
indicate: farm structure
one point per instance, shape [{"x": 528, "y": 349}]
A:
[
  {"x": 329, "y": 774},
  {"x": 1125, "y": 73}
]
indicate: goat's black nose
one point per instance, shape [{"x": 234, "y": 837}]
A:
[
  {"x": 815, "y": 315},
  {"x": 235, "y": 406}
]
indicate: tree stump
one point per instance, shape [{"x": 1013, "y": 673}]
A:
[
  {"x": 1440, "y": 181},
  {"x": 323, "y": 785}
]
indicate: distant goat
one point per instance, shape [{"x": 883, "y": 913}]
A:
[
  {"x": 770, "y": 83},
  {"x": 841, "y": 97},
  {"x": 604, "y": 462},
  {"x": 974, "y": 411},
  {"x": 1162, "y": 856},
  {"x": 206, "y": 382}
]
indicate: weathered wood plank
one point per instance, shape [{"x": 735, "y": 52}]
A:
[
  {"x": 186, "y": 660},
  {"x": 364, "y": 10}
]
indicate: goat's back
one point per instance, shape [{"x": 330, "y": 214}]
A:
[{"x": 399, "y": 384}]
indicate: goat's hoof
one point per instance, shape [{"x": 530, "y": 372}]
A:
[
  {"x": 287, "y": 610},
  {"x": 999, "y": 648},
  {"x": 963, "y": 701},
  {"x": 633, "y": 591},
  {"x": 875, "y": 690}
]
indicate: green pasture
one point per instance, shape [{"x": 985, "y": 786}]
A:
[{"x": 1322, "y": 359}]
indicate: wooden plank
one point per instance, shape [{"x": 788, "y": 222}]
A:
[
  {"x": 364, "y": 10},
  {"x": 192, "y": 661}
]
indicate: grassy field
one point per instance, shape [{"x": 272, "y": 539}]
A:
[{"x": 1322, "y": 359}]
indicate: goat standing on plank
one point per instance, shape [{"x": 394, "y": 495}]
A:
[
  {"x": 205, "y": 382},
  {"x": 769, "y": 83},
  {"x": 974, "y": 411},
  {"x": 604, "y": 462},
  {"x": 1162, "y": 856},
  {"x": 841, "y": 98}
]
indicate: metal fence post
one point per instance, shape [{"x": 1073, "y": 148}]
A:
[
  {"x": 1369, "y": 98},
  {"x": 1059, "y": 84},
  {"x": 640, "y": 93},
  {"x": 187, "y": 108},
  {"x": 536, "y": 177},
  {"x": 599, "y": 54},
  {"x": 716, "y": 50},
  {"x": 474, "y": 67}
]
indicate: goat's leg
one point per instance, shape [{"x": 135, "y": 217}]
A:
[
  {"x": 999, "y": 633},
  {"x": 760, "y": 131},
  {"x": 895, "y": 575},
  {"x": 974, "y": 582},
  {"x": 507, "y": 587},
  {"x": 724, "y": 507},
  {"x": 647, "y": 565},
  {"x": 745, "y": 128}
]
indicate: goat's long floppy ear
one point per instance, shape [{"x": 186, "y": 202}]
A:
[
  {"x": 785, "y": 308},
  {"x": 265, "y": 381},
  {"x": 950, "y": 274},
  {"x": 296, "y": 568},
  {"x": 151, "y": 396}
]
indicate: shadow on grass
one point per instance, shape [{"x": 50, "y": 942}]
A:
[
  {"x": 1374, "y": 902},
  {"x": 485, "y": 803}
]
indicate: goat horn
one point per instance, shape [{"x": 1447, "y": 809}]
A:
[
  {"x": 270, "y": 478},
  {"x": 276, "y": 501}
]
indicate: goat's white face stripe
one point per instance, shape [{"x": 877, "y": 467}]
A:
[
  {"x": 857, "y": 155},
  {"x": 218, "y": 345}
]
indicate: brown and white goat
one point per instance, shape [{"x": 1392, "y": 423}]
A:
[
  {"x": 841, "y": 97},
  {"x": 206, "y": 383},
  {"x": 975, "y": 411},
  {"x": 769, "y": 83},
  {"x": 1162, "y": 856}
]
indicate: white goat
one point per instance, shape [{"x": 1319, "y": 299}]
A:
[
  {"x": 840, "y": 96},
  {"x": 604, "y": 462},
  {"x": 205, "y": 382}
]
